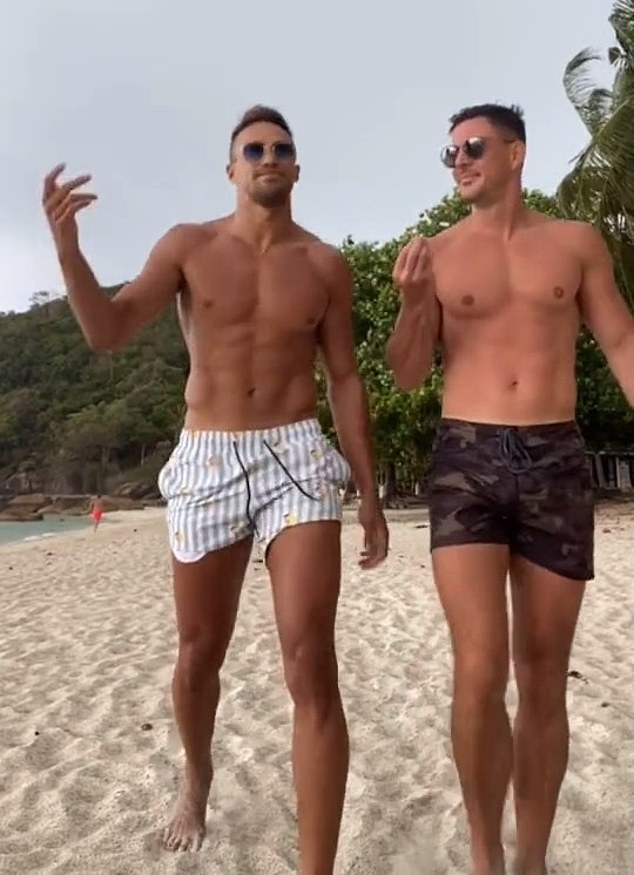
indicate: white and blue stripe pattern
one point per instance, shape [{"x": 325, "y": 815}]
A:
[{"x": 222, "y": 486}]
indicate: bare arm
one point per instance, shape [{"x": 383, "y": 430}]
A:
[
  {"x": 604, "y": 310},
  {"x": 346, "y": 393},
  {"x": 107, "y": 323},
  {"x": 410, "y": 349}
]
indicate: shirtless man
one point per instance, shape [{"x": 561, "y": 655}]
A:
[
  {"x": 503, "y": 294},
  {"x": 259, "y": 297}
]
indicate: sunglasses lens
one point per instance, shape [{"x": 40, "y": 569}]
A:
[
  {"x": 448, "y": 156},
  {"x": 253, "y": 152},
  {"x": 474, "y": 147},
  {"x": 284, "y": 151}
]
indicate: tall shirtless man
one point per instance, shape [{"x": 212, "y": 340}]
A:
[
  {"x": 503, "y": 293},
  {"x": 258, "y": 298}
]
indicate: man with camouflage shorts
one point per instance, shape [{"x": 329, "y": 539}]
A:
[{"x": 503, "y": 293}]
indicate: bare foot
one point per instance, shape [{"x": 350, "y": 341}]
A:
[
  {"x": 186, "y": 829},
  {"x": 499, "y": 869}
]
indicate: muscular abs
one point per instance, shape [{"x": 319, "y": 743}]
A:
[
  {"x": 510, "y": 321},
  {"x": 251, "y": 325}
]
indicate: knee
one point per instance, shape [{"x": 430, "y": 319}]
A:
[
  {"x": 310, "y": 669},
  {"x": 200, "y": 657},
  {"x": 541, "y": 684},
  {"x": 482, "y": 676}
]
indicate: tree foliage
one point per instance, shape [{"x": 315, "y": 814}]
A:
[
  {"x": 86, "y": 421},
  {"x": 82, "y": 421},
  {"x": 600, "y": 186}
]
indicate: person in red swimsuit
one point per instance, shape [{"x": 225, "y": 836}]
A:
[{"x": 96, "y": 512}]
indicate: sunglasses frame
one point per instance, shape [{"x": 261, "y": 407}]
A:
[
  {"x": 465, "y": 146},
  {"x": 449, "y": 154},
  {"x": 281, "y": 150}
]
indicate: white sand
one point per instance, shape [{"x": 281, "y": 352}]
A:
[{"x": 86, "y": 649}]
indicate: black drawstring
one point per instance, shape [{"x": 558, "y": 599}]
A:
[
  {"x": 246, "y": 477},
  {"x": 284, "y": 469},
  {"x": 287, "y": 472},
  {"x": 513, "y": 451}
]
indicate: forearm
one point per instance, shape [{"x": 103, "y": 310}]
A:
[
  {"x": 621, "y": 362},
  {"x": 93, "y": 310},
  {"x": 410, "y": 349},
  {"x": 349, "y": 406}
]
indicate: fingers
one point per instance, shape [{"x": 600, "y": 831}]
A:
[
  {"x": 399, "y": 264},
  {"x": 58, "y": 208},
  {"x": 57, "y": 198},
  {"x": 72, "y": 205},
  {"x": 412, "y": 264},
  {"x": 50, "y": 181},
  {"x": 63, "y": 202},
  {"x": 376, "y": 547}
]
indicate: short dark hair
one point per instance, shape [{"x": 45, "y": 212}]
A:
[
  {"x": 509, "y": 118},
  {"x": 255, "y": 114}
]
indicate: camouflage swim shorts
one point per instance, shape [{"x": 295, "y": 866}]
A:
[{"x": 529, "y": 487}]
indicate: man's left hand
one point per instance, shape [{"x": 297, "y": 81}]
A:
[{"x": 376, "y": 535}]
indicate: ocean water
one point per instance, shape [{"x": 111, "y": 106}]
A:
[{"x": 46, "y": 528}]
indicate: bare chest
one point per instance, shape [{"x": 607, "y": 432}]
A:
[
  {"x": 229, "y": 285},
  {"x": 476, "y": 279}
]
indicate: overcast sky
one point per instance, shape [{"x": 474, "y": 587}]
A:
[{"x": 144, "y": 96}]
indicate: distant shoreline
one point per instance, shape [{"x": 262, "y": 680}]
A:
[{"x": 54, "y": 526}]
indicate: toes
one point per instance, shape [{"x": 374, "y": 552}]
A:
[{"x": 170, "y": 840}]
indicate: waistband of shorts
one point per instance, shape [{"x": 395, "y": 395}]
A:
[
  {"x": 217, "y": 439},
  {"x": 486, "y": 429}
]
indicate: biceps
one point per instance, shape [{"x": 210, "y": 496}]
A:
[
  {"x": 608, "y": 318},
  {"x": 337, "y": 350},
  {"x": 143, "y": 299}
]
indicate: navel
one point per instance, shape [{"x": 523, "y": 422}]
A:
[
  {"x": 558, "y": 292},
  {"x": 467, "y": 300}
]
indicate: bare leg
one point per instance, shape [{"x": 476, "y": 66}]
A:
[
  {"x": 305, "y": 566},
  {"x": 207, "y": 594},
  {"x": 545, "y": 612},
  {"x": 471, "y": 583}
]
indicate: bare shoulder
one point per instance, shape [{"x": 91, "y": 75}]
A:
[
  {"x": 577, "y": 233},
  {"x": 331, "y": 265},
  {"x": 582, "y": 240},
  {"x": 445, "y": 238},
  {"x": 180, "y": 239}
]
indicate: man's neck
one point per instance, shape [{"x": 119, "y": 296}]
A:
[
  {"x": 502, "y": 216},
  {"x": 262, "y": 227}
]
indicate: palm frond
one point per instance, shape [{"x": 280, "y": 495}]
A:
[
  {"x": 599, "y": 187},
  {"x": 591, "y": 102},
  {"x": 622, "y": 21}
]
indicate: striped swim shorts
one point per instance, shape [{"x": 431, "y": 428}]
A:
[{"x": 221, "y": 486}]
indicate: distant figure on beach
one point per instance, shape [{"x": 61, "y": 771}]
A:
[
  {"x": 96, "y": 512},
  {"x": 503, "y": 294},
  {"x": 259, "y": 298}
]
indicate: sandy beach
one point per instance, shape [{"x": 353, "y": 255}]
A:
[{"x": 89, "y": 756}]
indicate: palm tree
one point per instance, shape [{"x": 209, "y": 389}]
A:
[{"x": 600, "y": 186}]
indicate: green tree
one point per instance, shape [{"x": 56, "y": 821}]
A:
[
  {"x": 87, "y": 422},
  {"x": 600, "y": 186}
]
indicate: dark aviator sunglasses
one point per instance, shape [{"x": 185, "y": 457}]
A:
[
  {"x": 473, "y": 148},
  {"x": 254, "y": 152}
]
